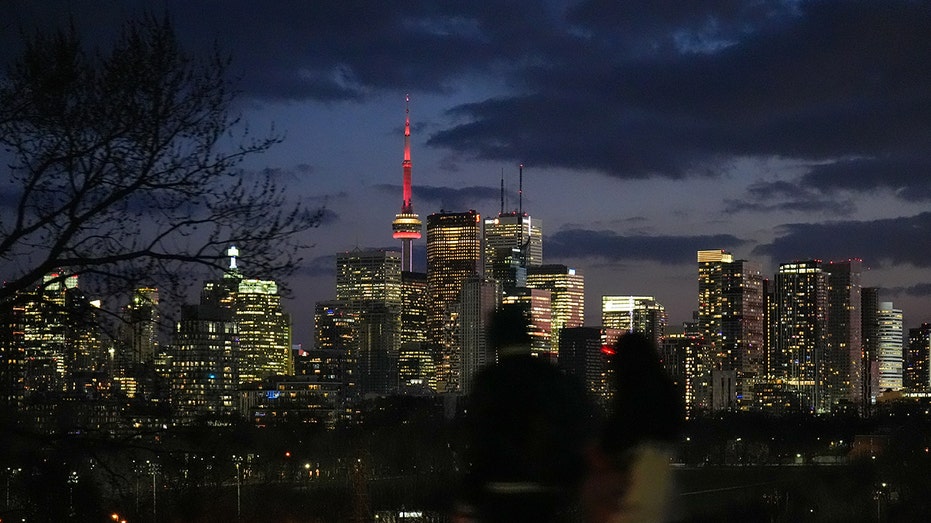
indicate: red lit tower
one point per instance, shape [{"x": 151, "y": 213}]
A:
[{"x": 407, "y": 224}]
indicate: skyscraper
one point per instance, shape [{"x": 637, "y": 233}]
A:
[
  {"x": 869, "y": 311},
  {"x": 917, "y": 373},
  {"x": 843, "y": 362},
  {"x": 537, "y": 308},
  {"x": 513, "y": 242},
  {"x": 643, "y": 314},
  {"x": 264, "y": 331},
  {"x": 454, "y": 254},
  {"x": 369, "y": 283},
  {"x": 890, "y": 347},
  {"x": 407, "y": 224},
  {"x": 567, "y": 297},
  {"x": 477, "y": 302},
  {"x": 731, "y": 315},
  {"x": 800, "y": 331},
  {"x": 415, "y": 360}
]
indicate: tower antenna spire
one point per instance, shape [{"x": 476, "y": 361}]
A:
[
  {"x": 502, "y": 191},
  {"x": 407, "y": 224},
  {"x": 520, "y": 191}
]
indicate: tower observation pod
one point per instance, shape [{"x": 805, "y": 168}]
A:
[{"x": 407, "y": 224}]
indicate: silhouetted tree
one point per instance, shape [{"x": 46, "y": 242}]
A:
[{"x": 124, "y": 166}]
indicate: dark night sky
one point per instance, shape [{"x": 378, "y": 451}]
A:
[{"x": 649, "y": 130}]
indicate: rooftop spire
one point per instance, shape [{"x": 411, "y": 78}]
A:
[{"x": 407, "y": 206}]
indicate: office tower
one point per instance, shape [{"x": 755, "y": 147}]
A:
[
  {"x": 264, "y": 331},
  {"x": 407, "y": 224},
  {"x": 333, "y": 359},
  {"x": 513, "y": 244},
  {"x": 141, "y": 320},
  {"x": 731, "y": 314},
  {"x": 415, "y": 360},
  {"x": 889, "y": 356},
  {"x": 369, "y": 282},
  {"x": 869, "y": 310},
  {"x": 477, "y": 302},
  {"x": 454, "y": 254},
  {"x": 204, "y": 376},
  {"x": 843, "y": 365},
  {"x": 567, "y": 297},
  {"x": 917, "y": 373},
  {"x": 685, "y": 359},
  {"x": 801, "y": 331},
  {"x": 369, "y": 275},
  {"x": 643, "y": 314},
  {"x": 537, "y": 308},
  {"x": 134, "y": 359},
  {"x": 12, "y": 354},
  {"x": 581, "y": 355}
]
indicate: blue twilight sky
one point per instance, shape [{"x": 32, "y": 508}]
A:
[{"x": 648, "y": 130}]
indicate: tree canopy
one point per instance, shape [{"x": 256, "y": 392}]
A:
[{"x": 125, "y": 164}]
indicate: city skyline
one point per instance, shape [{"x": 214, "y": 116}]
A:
[{"x": 777, "y": 131}]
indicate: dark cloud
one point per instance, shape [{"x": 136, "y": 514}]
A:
[
  {"x": 581, "y": 243},
  {"x": 630, "y": 89},
  {"x": 822, "y": 81},
  {"x": 319, "y": 266},
  {"x": 909, "y": 178},
  {"x": 449, "y": 199},
  {"x": 891, "y": 241},
  {"x": 920, "y": 290},
  {"x": 785, "y": 196}
]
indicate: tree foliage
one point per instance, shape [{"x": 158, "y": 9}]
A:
[{"x": 124, "y": 166}]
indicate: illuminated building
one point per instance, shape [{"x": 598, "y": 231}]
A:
[
  {"x": 643, "y": 314},
  {"x": 369, "y": 283},
  {"x": 513, "y": 244},
  {"x": 292, "y": 400},
  {"x": 407, "y": 224},
  {"x": 204, "y": 376},
  {"x": 567, "y": 297},
  {"x": 581, "y": 355},
  {"x": 890, "y": 347},
  {"x": 141, "y": 319},
  {"x": 415, "y": 360},
  {"x": 916, "y": 376},
  {"x": 454, "y": 254},
  {"x": 537, "y": 308},
  {"x": 264, "y": 331},
  {"x": 264, "y": 328},
  {"x": 685, "y": 359},
  {"x": 800, "y": 331},
  {"x": 731, "y": 315},
  {"x": 477, "y": 302},
  {"x": 843, "y": 361},
  {"x": 869, "y": 311}
]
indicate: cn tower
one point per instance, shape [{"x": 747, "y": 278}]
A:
[{"x": 407, "y": 224}]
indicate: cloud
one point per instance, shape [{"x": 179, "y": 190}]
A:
[
  {"x": 450, "y": 199},
  {"x": 890, "y": 241},
  {"x": 786, "y": 196},
  {"x": 320, "y": 266},
  {"x": 907, "y": 177},
  {"x": 581, "y": 243}
]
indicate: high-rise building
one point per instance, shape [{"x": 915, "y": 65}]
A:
[
  {"x": 477, "y": 302},
  {"x": 204, "y": 375},
  {"x": 334, "y": 355},
  {"x": 415, "y": 360},
  {"x": 264, "y": 329},
  {"x": 141, "y": 317},
  {"x": 843, "y": 361},
  {"x": 917, "y": 373},
  {"x": 890, "y": 347},
  {"x": 643, "y": 314},
  {"x": 369, "y": 282},
  {"x": 567, "y": 297},
  {"x": 581, "y": 355},
  {"x": 407, "y": 224},
  {"x": 264, "y": 332},
  {"x": 685, "y": 359},
  {"x": 454, "y": 254},
  {"x": 869, "y": 312},
  {"x": 513, "y": 244},
  {"x": 537, "y": 308},
  {"x": 731, "y": 314},
  {"x": 800, "y": 331}
]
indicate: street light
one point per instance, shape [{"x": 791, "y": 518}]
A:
[{"x": 237, "y": 460}]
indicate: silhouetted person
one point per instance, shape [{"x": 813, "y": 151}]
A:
[
  {"x": 529, "y": 425},
  {"x": 630, "y": 480}
]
